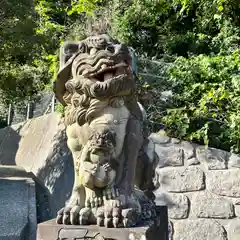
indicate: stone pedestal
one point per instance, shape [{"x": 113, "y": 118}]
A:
[{"x": 154, "y": 230}]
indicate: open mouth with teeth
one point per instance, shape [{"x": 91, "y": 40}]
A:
[{"x": 105, "y": 72}]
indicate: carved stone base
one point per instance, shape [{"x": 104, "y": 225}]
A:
[{"x": 156, "y": 229}]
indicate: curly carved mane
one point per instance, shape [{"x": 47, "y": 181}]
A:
[{"x": 84, "y": 85}]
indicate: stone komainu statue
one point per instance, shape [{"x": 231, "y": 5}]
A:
[{"x": 106, "y": 135}]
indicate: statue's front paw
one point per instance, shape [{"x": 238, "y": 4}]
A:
[
  {"x": 68, "y": 215},
  {"x": 117, "y": 211},
  {"x": 93, "y": 201},
  {"x": 117, "y": 217},
  {"x": 110, "y": 193}
]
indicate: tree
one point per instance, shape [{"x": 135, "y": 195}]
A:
[
  {"x": 30, "y": 36},
  {"x": 199, "y": 41}
]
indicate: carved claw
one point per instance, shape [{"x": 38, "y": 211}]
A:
[
  {"x": 68, "y": 215},
  {"x": 108, "y": 223},
  {"x": 108, "y": 217},
  {"x": 84, "y": 216},
  {"x": 116, "y": 222},
  {"x": 100, "y": 216},
  {"x": 110, "y": 193},
  {"x": 66, "y": 218},
  {"x": 130, "y": 217},
  {"x": 94, "y": 170},
  {"x": 74, "y": 215},
  {"x": 106, "y": 167},
  {"x": 93, "y": 201},
  {"x": 63, "y": 216},
  {"x": 100, "y": 221},
  {"x": 117, "y": 217}
]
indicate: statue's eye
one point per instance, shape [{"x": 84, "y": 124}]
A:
[
  {"x": 110, "y": 49},
  {"x": 82, "y": 47}
]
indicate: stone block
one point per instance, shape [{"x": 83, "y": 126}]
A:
[
  {"x": 180, "y": 207},
  {"x": 214, "y": 159},
  {"x": 237, "y": 210},
  {"x": 208, "y": 205},
  {"x": 234, "y": 161},
  {"x": 18, "y": 209},
  {"x": 189, "y": 151},
  {"x": 193, "y": 161},
  {"x": 200, "y": 229},
  {"x": 181, "y": 179},
  {"x": 169, "y": 155},
  {"x": 159, "y": 138},
  {"x": 175, "y": 140},
  {"x": 234, "y": 230},
  {"x": 224, "y": 182},
  {"x": 178, "y": 204},
  {"x": 236, "y": 201}
]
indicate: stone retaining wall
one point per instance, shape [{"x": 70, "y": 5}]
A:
[
  {"x": 201, "y": 187},
  {"x": 18, "y": 220},
  {"x": 39, "y": 146}
]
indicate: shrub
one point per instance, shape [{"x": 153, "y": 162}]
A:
[{"x": 206, "y": 100}]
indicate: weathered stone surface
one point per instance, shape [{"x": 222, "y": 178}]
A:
[
  {"x": 170, "y": 230},
  {"x": 159, "y": 138},
  {"x": 9, "y": 141},
  {"x": 180, "y": 207},
  {"x": 208, "y": 205},
  {"x": 18, "y": 209},
  {"x": 224, "y": 183},
  {"x": 214, "y": 159},
  {"x": 181, "y": 180},
  {"x": 163, "y": 198},
  {"x": 177, "y": 203},
  {"x": 193, "y": 161},
  {"x": 237, "y": 210},
  {"x": 150, "y": 150},
  {"x": 154, "y": 230},
  {"x": 234, "y": 161},
  {"x": 43, "y": 151},
  {"x": 173, "y": 154},
  {"x": 234, "y": 230},
  {"x": 200, "y": 229},
  {"x": 236, "y": 201},
  {"x": 189, "y": 151},
  {"x": 169, "y": 155},
  {"x": 175, "y": 140}
]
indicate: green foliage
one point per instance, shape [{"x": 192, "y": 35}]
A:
[
  {"x": 31, "y": 33},
  {"x": 60, "y": 110},
  {"x": 18, "y": 81},
  {"x": 206, "y": 100},
  {"x": 179, "y": 28},
  {"x": 199, "y": 43},
  {"x": 80, "y": 6},
  {"x": 19, "y": 46}
]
